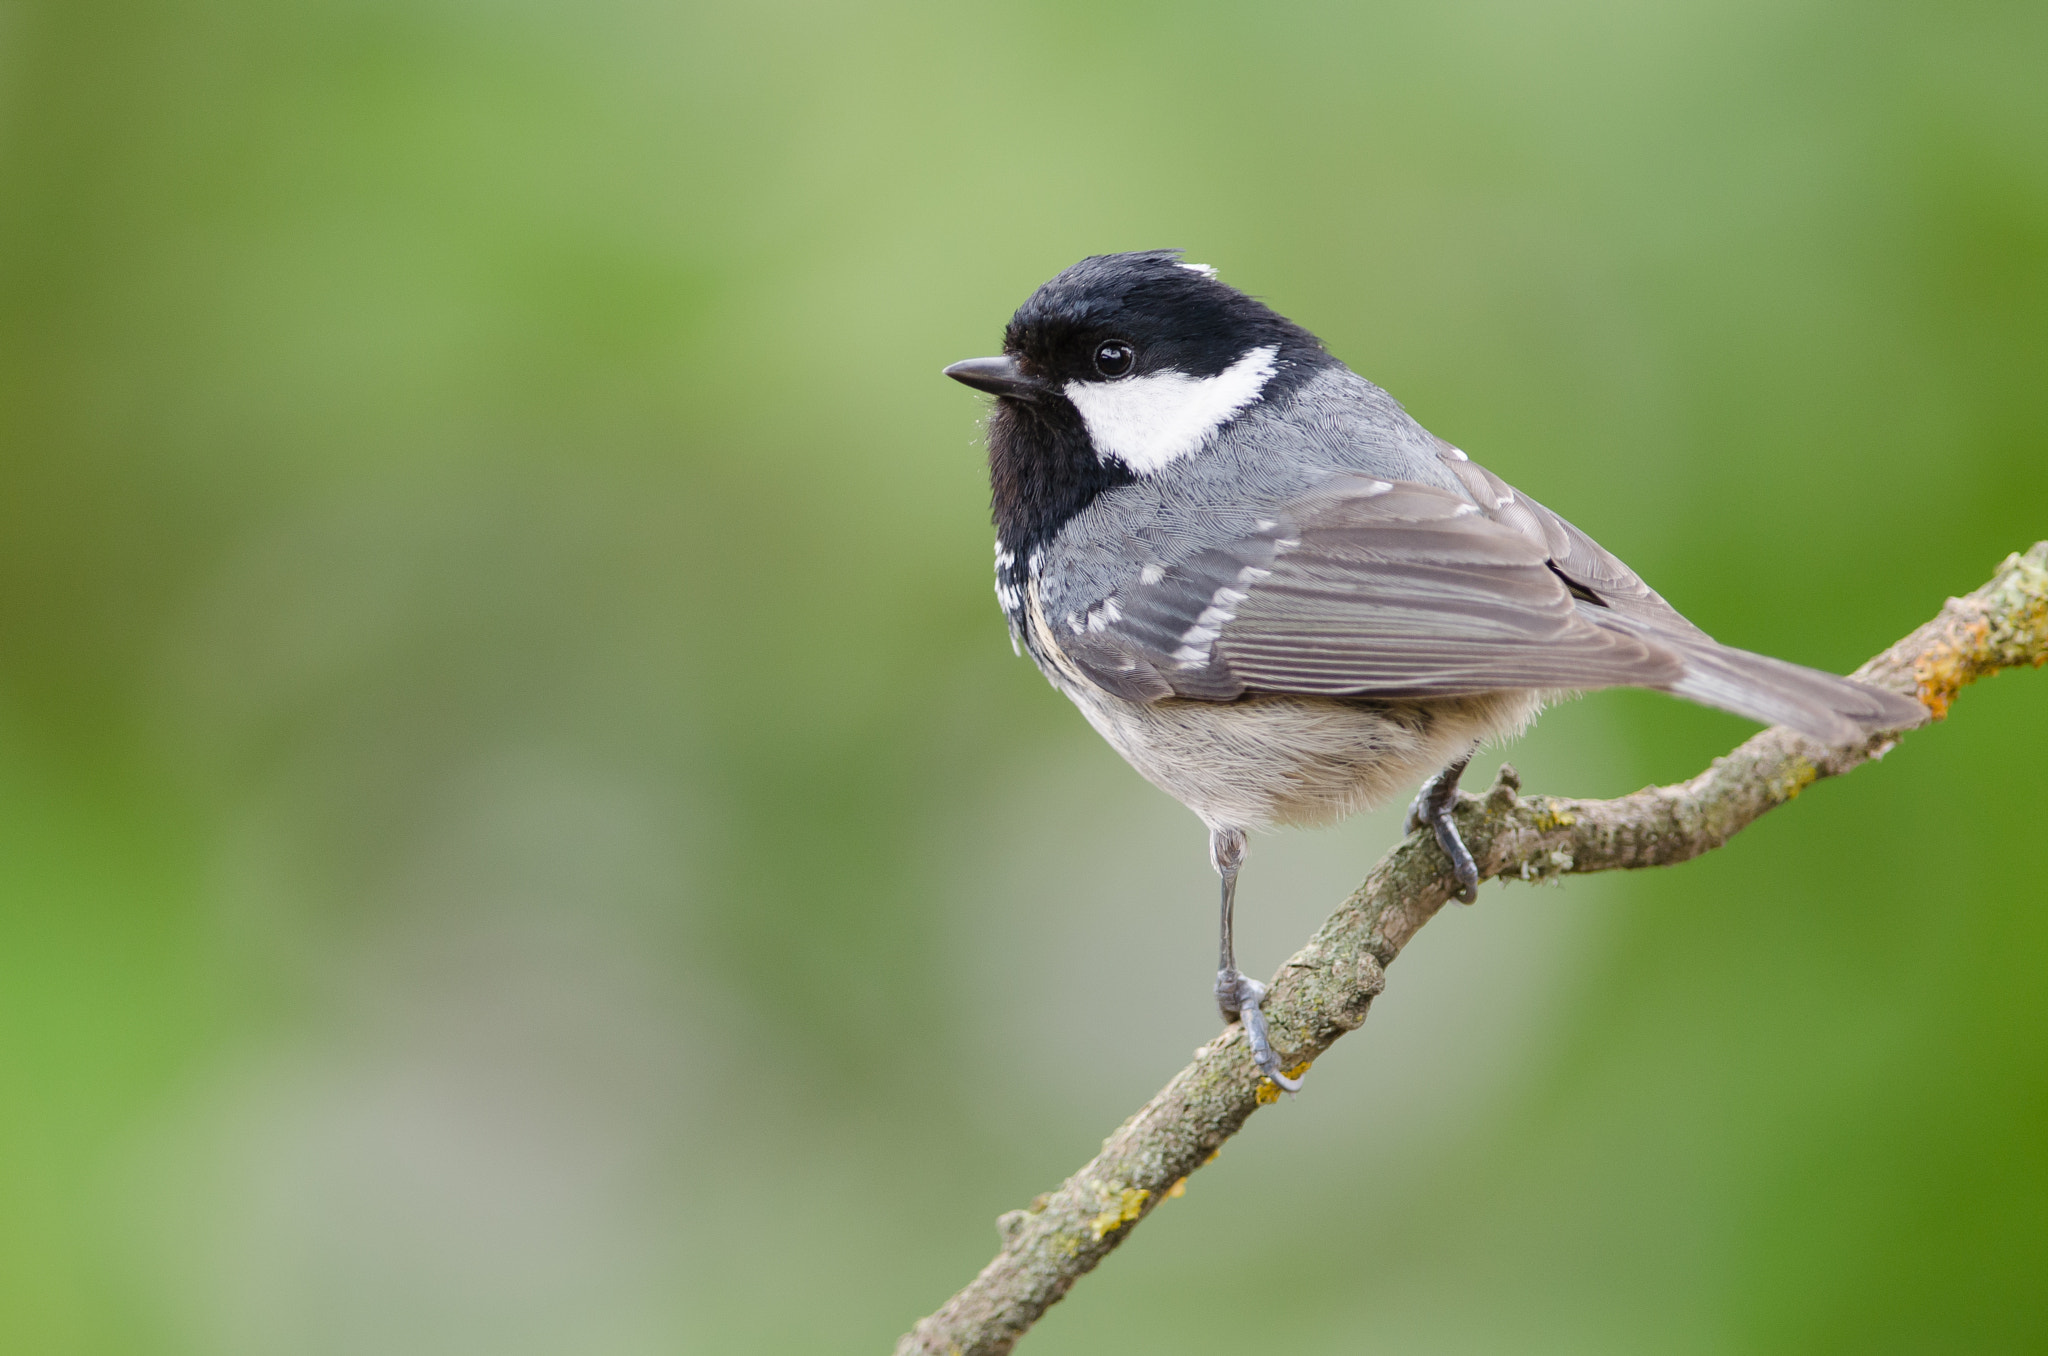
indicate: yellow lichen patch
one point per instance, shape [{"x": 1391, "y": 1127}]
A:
[
  {"x": 1126, "y": 1206},
  {"x": 1949, "y": 667},
  {"x": 1550, "y": 817},
  {"x": 1176, "y": 1191},
  {"x": 1796, "y": 778},
  {"x": 1268, "y": 1091}
]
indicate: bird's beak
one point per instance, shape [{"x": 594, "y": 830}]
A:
[{"x": 998, "y": 376}]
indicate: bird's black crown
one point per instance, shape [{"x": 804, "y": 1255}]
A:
[{"x": 1174, "y": 316}]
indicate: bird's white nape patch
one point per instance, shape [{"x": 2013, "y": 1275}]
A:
[
  {"x": 1147, "y": 422},
  {"x": 1206, "y": 270}
]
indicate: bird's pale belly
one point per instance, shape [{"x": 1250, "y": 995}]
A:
[{"x": 1276, "y": 758}]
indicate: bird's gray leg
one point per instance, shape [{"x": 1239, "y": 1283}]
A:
[
  {"x": 1226, "y": 850},
  {"x": 1432, "y": 806},
  {"x": 1237, "y": 995}
]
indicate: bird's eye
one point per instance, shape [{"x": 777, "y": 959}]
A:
[{"x": 1115, "y": 358}]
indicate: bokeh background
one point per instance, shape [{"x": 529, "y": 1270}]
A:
[{"x": 520, "y": 828}]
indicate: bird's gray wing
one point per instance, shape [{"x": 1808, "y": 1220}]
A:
[
  {"x": 1836, "y": 710},
  {"x": 1396, "y": 589},
  {"x": 1598, "y": 576},
  {"x": 1363, "y": 587}
]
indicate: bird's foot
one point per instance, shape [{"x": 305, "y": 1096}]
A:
[
  {"x": 1432, "y": 807},
  {"x": 1239, "y": 997}
]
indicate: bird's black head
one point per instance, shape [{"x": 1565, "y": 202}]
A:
[{"x": 1115, "y": 369}]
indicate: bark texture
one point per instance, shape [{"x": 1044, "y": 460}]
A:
[{"x": 1327, "y": 988}]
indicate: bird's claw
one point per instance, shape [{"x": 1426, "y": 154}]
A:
[
  {"x": 1462, "y": 865},
  {"x": 1418, "y": 810},
  {"x": 1240, "y": 996},
  {"x": 1432, "y": 807}
]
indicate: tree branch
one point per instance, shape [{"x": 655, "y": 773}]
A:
[{"x": 1327, "y": 988}]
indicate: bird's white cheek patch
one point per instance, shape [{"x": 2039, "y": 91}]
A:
[{"x": 1147, "y": 422}]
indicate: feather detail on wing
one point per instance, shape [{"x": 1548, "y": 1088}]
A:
[
  {"x": 1397, "y": 589},
  {"x": 1831, "y": 709},
  {"x": 1365, "y": 587}
]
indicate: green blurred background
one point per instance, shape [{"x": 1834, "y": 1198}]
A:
[{"x": 520, "y": 828}]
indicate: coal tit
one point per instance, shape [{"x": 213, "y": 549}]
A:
[{"x": 1281, "y": 598}]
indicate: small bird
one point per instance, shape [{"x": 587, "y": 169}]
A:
[{"x": 1281, "y": 598}]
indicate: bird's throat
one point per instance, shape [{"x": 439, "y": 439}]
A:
[{"x": 1042, "y": 472}]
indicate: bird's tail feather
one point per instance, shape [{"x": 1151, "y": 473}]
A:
[{"x": 1820, "y": 705}]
